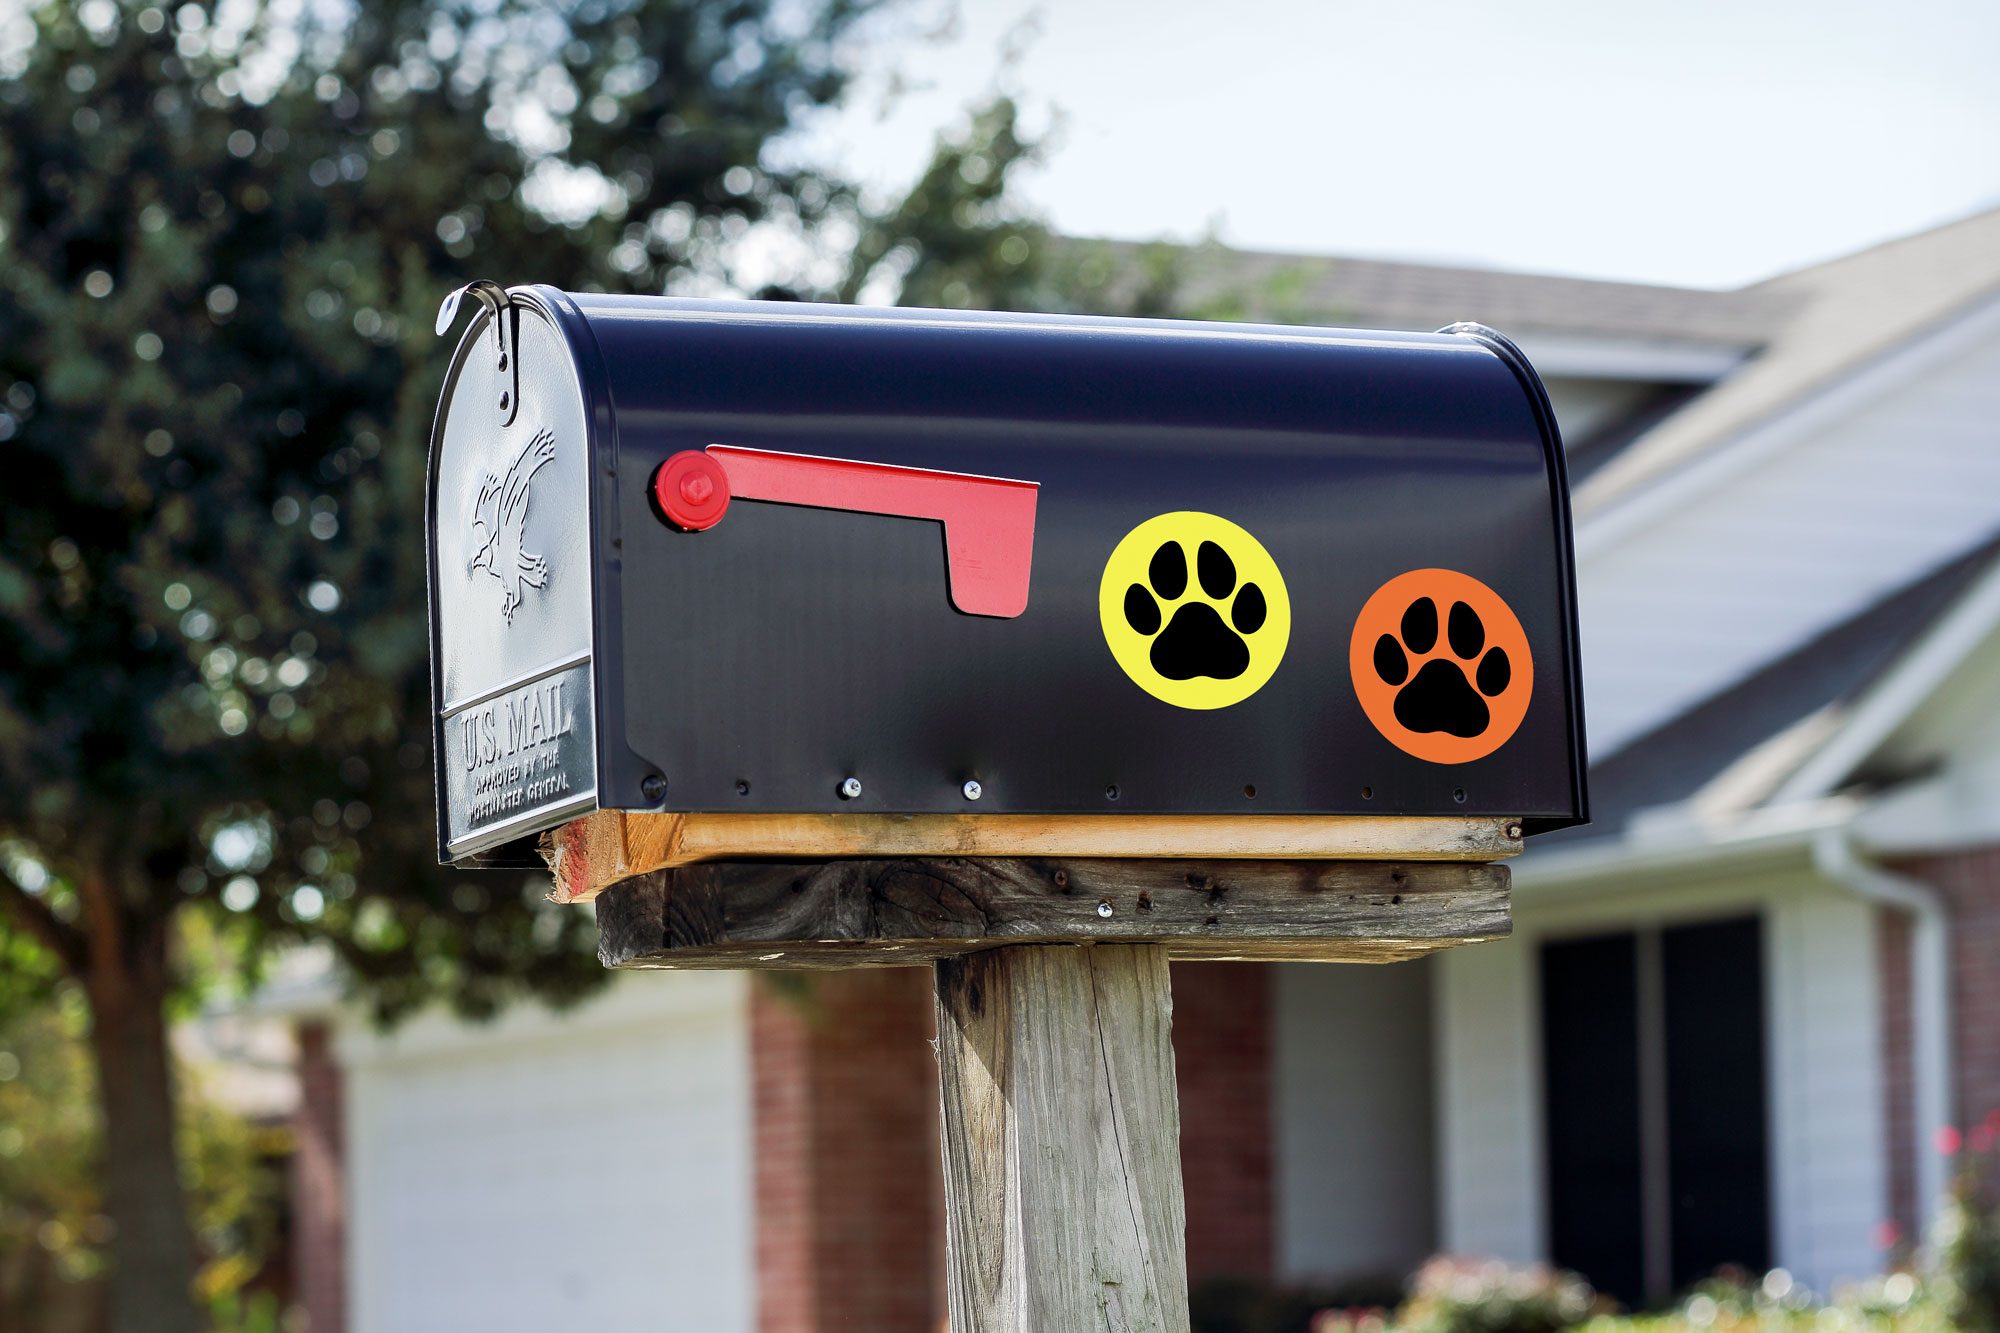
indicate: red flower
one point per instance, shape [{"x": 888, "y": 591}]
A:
[
  {"x": 1949, "y": 1140},
  {"x": 1887, "y": 1234}
]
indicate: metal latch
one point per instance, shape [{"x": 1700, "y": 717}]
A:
[{"x": 506, "y": 321}]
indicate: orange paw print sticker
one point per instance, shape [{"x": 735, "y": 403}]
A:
[{"x": 1441, "y": 666}]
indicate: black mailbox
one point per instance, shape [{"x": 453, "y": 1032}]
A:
[{"x": 719, "y": 556}]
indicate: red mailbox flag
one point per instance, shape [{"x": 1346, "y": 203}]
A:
[{"x": 989, "y": 522}]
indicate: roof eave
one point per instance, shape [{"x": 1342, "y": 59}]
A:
[
  {"x": 1880, "y": 710},
  {"x": 1666, "y": 853},
  {"x": 1585, "y": 355}
]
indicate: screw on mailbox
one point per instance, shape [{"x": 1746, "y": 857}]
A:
[
  {"x": 850, "y": 788},
  {"x": 973, "y": 791}
]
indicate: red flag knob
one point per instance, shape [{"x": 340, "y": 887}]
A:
[{"x": 691, "y": 490}]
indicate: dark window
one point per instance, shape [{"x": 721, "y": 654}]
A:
[
  {"x": 1654, "y": 1083},
  {"x": 1589, "y": 1031},
  {"x": 1713, "y": 977}
]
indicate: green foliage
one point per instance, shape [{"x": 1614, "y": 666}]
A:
[
  {"x": 247, "y": 1312},
  {"x": 1956, "y": 1288},
  {"x": 53, "y": 1231},
  {"x": 51, "y": 1228},
  {"x": 29, "y": 974},
  {"x": 1967, "y": 1240},
  {"x": 236, "y": 1190},
  {"x": 1736, "y": 1302},
  {"x": 1456, "y": 1296},
  {"x": 953, "y": 240}
]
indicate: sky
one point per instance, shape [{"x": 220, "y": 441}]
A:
[{"x": 1697, "y": 142}]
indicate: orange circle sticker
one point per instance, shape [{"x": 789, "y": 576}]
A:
[{"x": 1441, "y": 666}]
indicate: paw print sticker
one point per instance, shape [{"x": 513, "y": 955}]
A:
[
  {"x": 1441, "y": 666},
  {"x": 1195, "y": 610}
]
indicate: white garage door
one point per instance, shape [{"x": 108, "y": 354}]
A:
[{"x": 590, "y": 1170}]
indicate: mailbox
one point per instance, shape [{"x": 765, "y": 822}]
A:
[{"x": 707, "y": 556}]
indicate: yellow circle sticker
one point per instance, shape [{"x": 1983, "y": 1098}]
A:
[{"x": 1195, "y": 610}]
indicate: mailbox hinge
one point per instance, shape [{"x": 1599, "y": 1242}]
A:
[{"x": 506, "y": 321}]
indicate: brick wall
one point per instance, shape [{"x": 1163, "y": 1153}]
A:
[
  {"x": 1899, "y": 1121},
  {"x": 318, "y": 1187},
  {"x": 850, "y": 1221},
  {"x": 1222, "y": 1055},
  {"x": 1970, "y": 883},
  {"x": 849, "y": 1192},
  {"x": 782, "y": 1178}
]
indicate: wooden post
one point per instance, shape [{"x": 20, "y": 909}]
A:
[{"x": 1061, "y": 1132}]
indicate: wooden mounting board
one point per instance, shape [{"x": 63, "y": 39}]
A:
[
  {"x": 864, "y": 913},
  {"x": 590, "y": 854}
]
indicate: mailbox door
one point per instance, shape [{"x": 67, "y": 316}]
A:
[{"x": 511, "y": 590}]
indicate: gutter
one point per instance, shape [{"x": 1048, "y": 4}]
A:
[
  {"x": 1841, "y": 861},
  {"x": 1672, "y": 852}
]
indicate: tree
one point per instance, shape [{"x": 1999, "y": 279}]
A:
[
  {"x": 223, "y": 233},
  {"x": 53, "y": 1230}
]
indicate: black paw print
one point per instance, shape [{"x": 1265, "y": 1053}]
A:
[
  {"x": 1196, "y": 641},
  {"x": 1442, "y": 697}
]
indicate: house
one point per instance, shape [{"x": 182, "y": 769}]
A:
[
  {"x": 1734, "y": 1012},
  {"x": 1788, "y": 596}
]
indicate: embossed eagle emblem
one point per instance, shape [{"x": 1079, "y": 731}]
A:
[{"x": 499, "y": 524}]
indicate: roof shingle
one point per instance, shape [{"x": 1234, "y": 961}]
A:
[
  {"x": 1848, "y": 312},
  {"x": 1267, "y": 287}
]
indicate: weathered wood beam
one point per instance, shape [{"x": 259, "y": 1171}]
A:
[
  {"x": 916, "y": 910},
  {"x": 1061, "y": 1130},
  {"x": 590, "y": 854}
]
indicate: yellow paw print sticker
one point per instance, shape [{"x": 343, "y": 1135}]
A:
[{"x": 1195, "y": 610}]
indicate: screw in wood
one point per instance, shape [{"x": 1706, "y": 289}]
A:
[{"x": 1103, "y": 908}]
